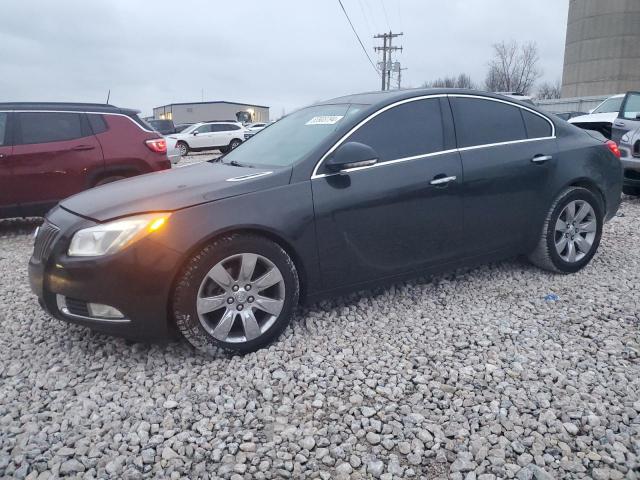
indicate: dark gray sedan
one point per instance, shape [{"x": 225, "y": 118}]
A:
[{"x": 342, "y": 195}]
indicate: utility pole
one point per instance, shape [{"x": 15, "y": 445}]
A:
[
  {"x": 386, "y": 64},
  {"x": 398, "y": 69}
]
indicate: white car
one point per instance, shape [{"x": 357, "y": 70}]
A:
[
  {"x": 602, "y": 117},
  {"x": 253, "y": 128},
  {"x": 223, "y": 136}
]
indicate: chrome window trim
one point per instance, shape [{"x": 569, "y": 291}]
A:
[
  {"x": 315, "y": 173},
  {"x": 87, "y": 112}
]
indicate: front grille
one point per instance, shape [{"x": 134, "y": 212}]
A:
[
  {"x": 632, "y": 174},
  {"x": 636, "y": 149},
  {"x": 77, "y": 307},
  {"x": 47, "y": 234}
]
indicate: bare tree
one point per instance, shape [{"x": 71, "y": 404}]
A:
[
  {"x": 461, "y": 81},
  {"x": 549, "y": 91},
  {"x": 514, "y": 68}
]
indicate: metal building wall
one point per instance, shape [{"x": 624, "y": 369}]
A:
[
  {"x": 200, "y": 112},
  {"x": 602, "y": 52}
]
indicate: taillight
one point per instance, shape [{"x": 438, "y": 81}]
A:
[
  {"x": 613, "y": 146},
  {"x": 158, "y": 145}
]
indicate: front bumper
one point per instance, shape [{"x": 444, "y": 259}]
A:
[{"x": 137, "y": 281}]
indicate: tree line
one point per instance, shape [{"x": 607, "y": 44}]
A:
[{"x": 513, "y": 68}]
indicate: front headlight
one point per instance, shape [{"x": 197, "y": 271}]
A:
[
  {"x": 110, "y": 237},
  {"x": 626, "y": 138}
]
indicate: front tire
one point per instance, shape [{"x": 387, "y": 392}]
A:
[
  {"x": 235, "y": 143},
  {"x": 237, "y": 293},
  {"x": 571, "y": 232},
  {"x": 106, "y": 180},
  {"x": 183, "y": 148}
]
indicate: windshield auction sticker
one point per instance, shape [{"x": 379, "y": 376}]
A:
[{"x": 325, "y": 120}]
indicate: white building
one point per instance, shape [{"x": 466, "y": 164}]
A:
[{"x": 206, "y": 111}]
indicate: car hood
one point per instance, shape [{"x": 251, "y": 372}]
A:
[
  {"x": 172, "y": 190},
  {"x": 595, "y": 118}
]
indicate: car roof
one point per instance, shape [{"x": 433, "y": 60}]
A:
[
  {"x": 379, "y": 98},
  {"x": 67, "y": 106}
]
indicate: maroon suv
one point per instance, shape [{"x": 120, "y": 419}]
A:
[{"x": 49, "y": 151}]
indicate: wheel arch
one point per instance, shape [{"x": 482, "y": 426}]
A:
[
  {"x": 246, "y": 230},
  {"x": 122, "y": 171},
  {"x": 592, "y": 186}
]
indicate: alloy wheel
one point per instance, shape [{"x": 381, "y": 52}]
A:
[
  {"x": 240, "y": 298},
  {"x": 183, "y": 149},
  {"x": 575, "y": 231}
]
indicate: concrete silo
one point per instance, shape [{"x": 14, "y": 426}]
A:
[{"x": 602, "y": 52}]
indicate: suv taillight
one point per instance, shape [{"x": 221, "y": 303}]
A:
[
  {"x": 158, "y": 145},
  {"x": 613, "y": 146}
]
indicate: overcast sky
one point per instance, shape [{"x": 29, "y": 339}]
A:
[{"x": 281, "y": 53}]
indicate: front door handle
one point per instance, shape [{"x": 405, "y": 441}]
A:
[
  {"x": 442, "y": 180},
  {"x": 541, "y": 158},
  {"x": 79, "y": 148},
  {"x": 619, "y": 124}
]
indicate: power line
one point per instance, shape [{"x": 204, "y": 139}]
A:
[
  {"x": 357, "y": 36},
  {"x": 384, "y": 9},
  {"x": 386, "y": 65}
]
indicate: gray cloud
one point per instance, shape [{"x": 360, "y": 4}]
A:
[{"x": 282, "y": 53}]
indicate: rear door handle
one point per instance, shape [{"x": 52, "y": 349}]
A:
[
  {"x": 83, "y": 147},
  {"x": 442, "y": 180},
  {"x": 541, "y": 158}
]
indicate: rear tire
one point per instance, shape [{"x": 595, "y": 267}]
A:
[
  {"x": 633, "y": 191},
  {"x": 237, "y": 293},
  {"x": 569, "y": 240},
  {"x": 106, "y": 180}
]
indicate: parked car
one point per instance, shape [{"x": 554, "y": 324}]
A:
[
  {"x": 517, "y": 96},
  {"x": 630, "y": 157},
  {"x": 182, "y": 126},
  {"x": 601, "y": 118},
  {"x": 253, "y": 128},
  {"x": 339, "y": 196},
  {"x": 569, "y": 115},
  {"x": 164, "y": 127},
  {"x": 218, "y": 135},
  {"x": 49, "y": 151},
  {"x": 628, "y": 118}
]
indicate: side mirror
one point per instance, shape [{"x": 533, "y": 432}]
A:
[
  {"x": 195, "y": 133},
  {"x": 352, "y": 155}
]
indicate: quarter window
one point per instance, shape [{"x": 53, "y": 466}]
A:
[
  {"x": 537, "y": 127},
  {"x": 97, "y": 122},
  {"x": 483, "y": 122},
  {"x": 407, "y": 130},
  {"x": 45, "y": 127}
]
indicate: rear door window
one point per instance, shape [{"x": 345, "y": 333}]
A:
[
  {"x": 46, "y": 127},
  {"x": 484, "y": 122},
  {"x": 97, "y": 122},
  {"x": 631, "y": 106},
  {"x": 407, "y": 130}
]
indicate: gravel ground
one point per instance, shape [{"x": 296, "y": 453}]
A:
[{"x": 473, "y": 375}]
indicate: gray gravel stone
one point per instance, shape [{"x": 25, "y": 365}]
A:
[{"x": 470, "y": 374}]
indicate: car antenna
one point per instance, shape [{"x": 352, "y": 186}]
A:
[{"x": 108, "y": 95}]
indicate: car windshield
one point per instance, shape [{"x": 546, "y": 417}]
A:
[
  {"x": 610, "y": 105},
  {"x": 288, "y": 140}
]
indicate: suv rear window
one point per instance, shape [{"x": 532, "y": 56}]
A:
[
  {"x": 45, "y": 127},
  {"x": 141, "y": 122}
]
